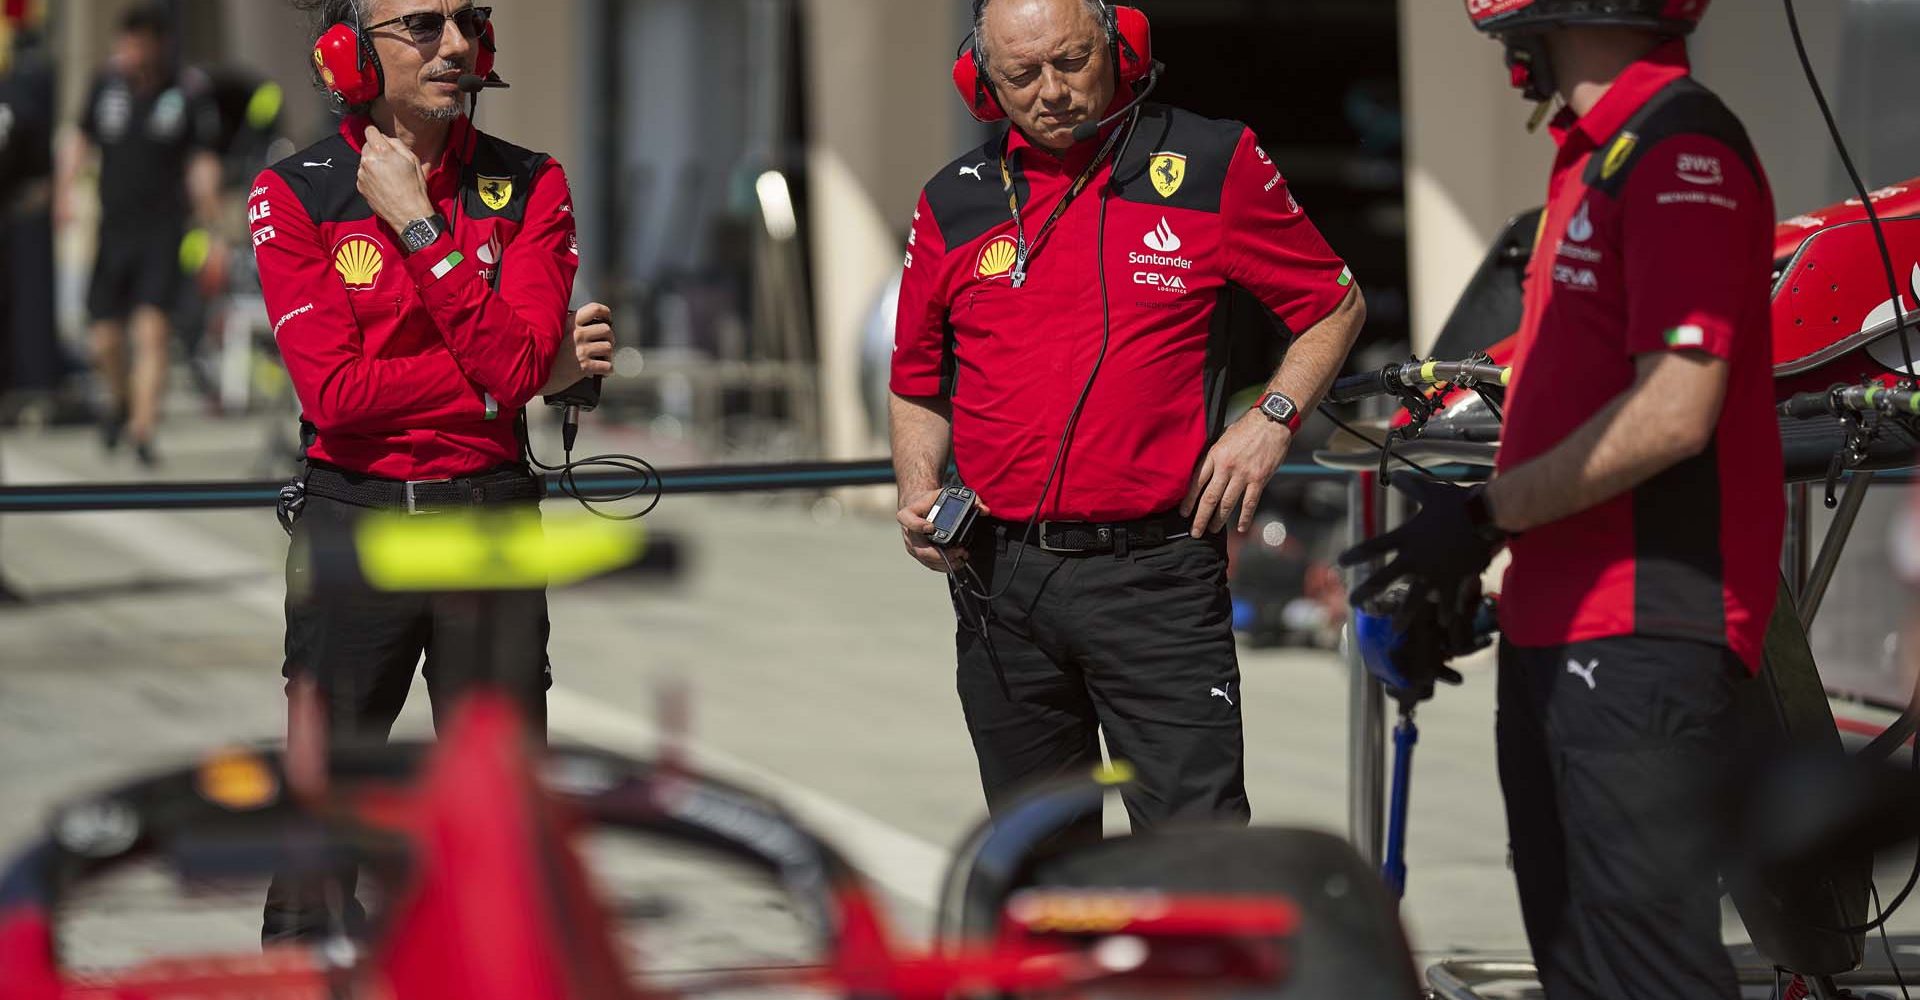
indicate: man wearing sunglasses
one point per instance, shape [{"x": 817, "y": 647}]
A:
[{"x": 417, "y": 273}]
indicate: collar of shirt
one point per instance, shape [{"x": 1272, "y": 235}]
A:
[
  {"x": 1072, "y": 162},
  {"x": 1630, "y": 92},
  {"x": 444, "y": 178}
]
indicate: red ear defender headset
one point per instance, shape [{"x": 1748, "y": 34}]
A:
[
  {"x": 350, "y": 70},
  {"x": 348, "y": 66},
  {"x": 1520, "y": 23},
  {"x": 1128, "y": 34}
]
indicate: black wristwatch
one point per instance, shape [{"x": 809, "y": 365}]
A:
[
  {"x": 423, "y": 233},
  {"x": 1281, "y": 409}
]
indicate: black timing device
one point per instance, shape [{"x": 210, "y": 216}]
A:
[{"x": 953, "y": 515}]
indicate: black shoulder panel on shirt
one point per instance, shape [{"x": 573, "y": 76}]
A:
[
  {"x": 499, "y": 179},
  {"x": 326, "y": 178},
  {"x": 967, "y": 196},
  {"x": 1683, "y": 107},
  {"x": 1177, "y": 158}
]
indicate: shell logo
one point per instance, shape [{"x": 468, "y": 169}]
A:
[
  {"x": 359, "y": 261},
  {"x": 320, "y": 67},
  {"x": 997, "y": 258}
]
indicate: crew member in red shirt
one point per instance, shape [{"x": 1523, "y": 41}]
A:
[
  {"x": 1059, "y": 338},
  {"x": 1639, "y": 489},
  {"x": 418, "y": 275}
]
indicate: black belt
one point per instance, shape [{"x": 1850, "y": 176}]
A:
[
  {"x": 505, "y": 484},
  {"x": 1080, "y": 538}
]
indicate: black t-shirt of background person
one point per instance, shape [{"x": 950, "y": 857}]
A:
[
  {"x": 26, "y": 127},
  {"x": 145, "y": 143}
]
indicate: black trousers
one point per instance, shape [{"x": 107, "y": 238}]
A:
[
  {"x": 360, "y": 648},
  {"x": 1613, "y": 758},
  {"x": 1139, "y": 646}
]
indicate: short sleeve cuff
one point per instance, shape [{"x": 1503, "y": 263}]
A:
[
  {"x": 1691, "y": 333},
  {"x": 1313, "y": 308},
  {"x": 915, "y": 385}
]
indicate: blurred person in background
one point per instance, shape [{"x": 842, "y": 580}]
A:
[
  {"x": 30, "y": 360},
  {"x": 1639, "y": 490},
  {"x": 1059, "y": 350},
  {"x": 152, "y": 128},
  {"x": 29, "y": 349},
  {"x": 417, "y": 273}
]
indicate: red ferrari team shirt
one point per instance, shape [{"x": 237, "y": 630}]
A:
[
  {"x": 1191, "y": 206},
  {"x": 1657, "y": 237},
  {"x": 415, "y": 367}
]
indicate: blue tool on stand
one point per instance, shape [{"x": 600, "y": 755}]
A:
[
  {"x": 1394, "y": 867},
  {"x": 1407, "y": 652}
]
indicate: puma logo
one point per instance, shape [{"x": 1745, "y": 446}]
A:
[
  {"x": 324, "y": 166},
  {"x": 1222, "y": 693},
  {"x": 974, "y": 170},
  {"x": 1584, "y": 673}
]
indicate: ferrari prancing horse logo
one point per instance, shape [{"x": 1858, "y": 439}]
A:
[
  {"x": 1169, "y": 171},
  {"x": 496, "y": 191}
]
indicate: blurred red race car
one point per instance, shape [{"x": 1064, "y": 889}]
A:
[{"x": 475, "y": 847}]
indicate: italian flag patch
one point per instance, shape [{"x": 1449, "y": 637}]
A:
[
  {"x": 1686, "y": 336},
  {"x": 1346, "y": 277},
  {"x": 451, "y": 261}
]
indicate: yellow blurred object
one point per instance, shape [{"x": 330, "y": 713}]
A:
[
  {"x": 263, "y": 109},
  {"x": 238, "y": 780},
  {"x": 1117, "y": 773},
  {"x": 195, "y": 248},
  {"x": 491, "y": 550}
]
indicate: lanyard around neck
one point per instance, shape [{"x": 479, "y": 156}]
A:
[{"x": 1024, "y": 252}]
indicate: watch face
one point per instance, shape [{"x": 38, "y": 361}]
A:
[
  {"x": 1279, "y": 408},
  {"x": 420, "y": 235}
]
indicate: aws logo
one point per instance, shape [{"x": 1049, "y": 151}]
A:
[
  {"x": 1702, "y": 170},
  {"x": 997, "y": 258},
  {"x": 359, "y": 260}
]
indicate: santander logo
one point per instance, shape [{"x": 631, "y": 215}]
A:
[{"x": 1163, "y": 239}]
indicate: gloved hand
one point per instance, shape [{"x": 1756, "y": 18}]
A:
[
  {"x": 1446, "y": 544},
  {"x": 1406, "y": 646}
]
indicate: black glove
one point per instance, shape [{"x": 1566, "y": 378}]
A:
[{"x": 1439, "y": 551}]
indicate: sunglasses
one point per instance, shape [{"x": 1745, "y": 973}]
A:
[{"x": 428, "y": 25}]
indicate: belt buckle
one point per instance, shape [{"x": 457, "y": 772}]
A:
[
  {"x": 1056, "y": 550},
  {"x": 413, "y": 506}
]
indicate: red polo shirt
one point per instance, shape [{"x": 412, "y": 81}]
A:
[
  {"x": 394, "y": 357},
  {"x": 1198, "y": 207},
  {"x": 1657, "y": 237}
]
